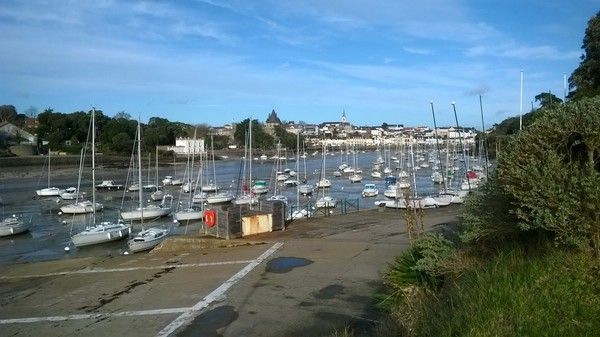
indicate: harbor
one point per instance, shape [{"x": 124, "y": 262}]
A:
[{"x": 51, "y": 231}]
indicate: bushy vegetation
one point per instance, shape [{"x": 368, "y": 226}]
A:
[
  {"x": 528, "y": 259},
  {"x": 517, "y": 294}
]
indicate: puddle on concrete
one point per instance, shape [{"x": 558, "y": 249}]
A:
[
  {"x": 284, "y": 264},
  {"x": 330, "y": 292},
  {"x": 208, "y": 323}
]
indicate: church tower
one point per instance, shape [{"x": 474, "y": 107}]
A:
[{"x": 344, "y": 119}]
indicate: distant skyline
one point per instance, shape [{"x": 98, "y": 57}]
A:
[{"x": 217, "y": 62}]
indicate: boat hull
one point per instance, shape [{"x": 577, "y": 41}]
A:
[
  {"x": 188, "y": 215},
  {"x": 12, "y": 227},
  {"x": 152, "y": 213},
  {"x": 147, "y": 240},
  {"x": 49, "y": 192},
  {"x": 92, "y": 238}
]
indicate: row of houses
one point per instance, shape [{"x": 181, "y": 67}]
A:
[{"x": 333, "y": 133}]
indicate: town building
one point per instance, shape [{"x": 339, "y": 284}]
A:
[
  {"x": 186, "y": 146},
  {"x": 14, "y": 134}
]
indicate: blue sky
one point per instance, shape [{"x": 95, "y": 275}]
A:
[{"x": 213, "y": 61}]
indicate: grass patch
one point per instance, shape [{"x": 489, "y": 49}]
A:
[{"x": 518, "y": 294}]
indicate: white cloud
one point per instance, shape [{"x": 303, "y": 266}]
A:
[
  {"x": 511, "y": 50},
  {"x": 418, "y": 51}
]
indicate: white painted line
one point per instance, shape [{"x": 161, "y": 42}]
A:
[
  {"x": 113, "y": 270},
  {"x": 93, "y": 316},
  {"x": 194, "y": 311}
]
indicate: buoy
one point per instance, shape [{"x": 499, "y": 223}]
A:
[
  {"x": 126, "y": 253},
  {"x": 59, "y": 213},
  {"x": 67, "y": 249},
  {"x": 57, "y": 201},
  {"x": 175, "y": 221}
]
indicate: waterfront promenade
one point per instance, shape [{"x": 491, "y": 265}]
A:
[{"x": 316, "y": 276}]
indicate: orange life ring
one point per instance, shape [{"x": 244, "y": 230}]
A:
[{"x": 210, "y": 217}]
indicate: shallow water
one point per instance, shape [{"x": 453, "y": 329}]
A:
[{"x": 51, "y": 232}]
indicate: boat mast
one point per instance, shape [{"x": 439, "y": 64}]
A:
[
  {"x": 462, "y": 146},
  {"x": 49, "y": 166},
  {"x": 250, "y": 161},
  {"x": 520, "y": 105},
  {"x": 297, "y": 171},
  {"x": 93, "y": 167},
  {"x": 140, "y": 192},
  {"x": 485, "y": 145},
  {"x": 192, "y": 170},
  {"x": 212, "y": 149},
  {"x": 437, "y": 145},
  {"x": 156, "y": 159}
]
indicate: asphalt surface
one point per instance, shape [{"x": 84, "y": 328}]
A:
[{"x": 317, "y": 276}]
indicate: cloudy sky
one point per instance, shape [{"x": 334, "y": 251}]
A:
[{"x": 216, "y": 61}]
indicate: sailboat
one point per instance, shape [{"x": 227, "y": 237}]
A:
[
  {"x": 298, "y": 213},
  {"x": 151, "y": 237},
  {"x": 305, "y": 188},
  {"x": 105, "y": 231},
  {"x": 14, "y": 225},
  {"x": 356, "y": 177},
  {"x": 80, "y": 206},
  {"x": 49, "y": 191},
  {"x": 247, "y": 196},
  {"x": 278, "y": 174},
  {"x": 190, "y": 213},
  {"x": 158, "y": 194},
  {"x": 150, "y": 211},
  {"x": 218, "y": 197},
  {"x": 326, "y": 201},
  {"x": 323, "y": 182}
]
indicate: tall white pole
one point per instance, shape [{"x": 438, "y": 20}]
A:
[
  {"x": 521, "y": 104},
  {"x": 564, "y": 87}
]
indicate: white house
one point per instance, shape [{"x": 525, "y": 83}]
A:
[
  {"x": 185, "y": 146},
  {"x": 9, "y": 130}
]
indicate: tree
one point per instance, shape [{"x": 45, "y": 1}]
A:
[
  {"x": 585, "y": 80},
  {"x": 32, "y": 112},
  {"x": 8, "y": 113},
  {"x": 260, "y": 138},
  {"x": 122, "y": 114},
  {"x": 546, "y": 99}
]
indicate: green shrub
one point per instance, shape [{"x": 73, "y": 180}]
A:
[
  {"x": 547, "y": 180},
  {"x": 518, "y": 294}
]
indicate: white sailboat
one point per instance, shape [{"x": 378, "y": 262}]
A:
[
  {"x": 323, "y": 182},
  {"x": 277, "y": 196},
  {"x": 147, "y": 239},
  {"x": 305, "y": 188},
  {"x": 191, "y": 213},
  {"x": 158, "y": 194},
  {"x": 325, "y": 201},
  {"x": 80, "y": 206},
  {"x": 218, "y": 197},
  {"x": 48, "y": 191},
  {"x": 151, "y": 237},
  {"x": 299, "y": 213},
  {"x": 247, "y": 196},
  {"x": 356, "y": 177},
  {"x": 14, "y": 225},
  {"x": 105, "y": 231},
  {"x": 150, "y": 211}
]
